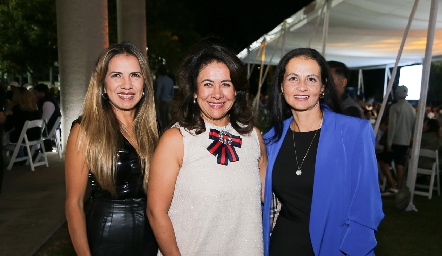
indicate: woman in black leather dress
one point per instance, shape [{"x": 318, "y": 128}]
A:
[{"x": 110, "y": 147}]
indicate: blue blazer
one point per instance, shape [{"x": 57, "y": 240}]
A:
[{"x": 346, "y": 205}]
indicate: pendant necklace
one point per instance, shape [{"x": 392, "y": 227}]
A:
[{"x": 299, "y": 166}]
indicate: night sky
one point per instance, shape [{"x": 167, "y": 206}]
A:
[{"x": 240, "y": 23}]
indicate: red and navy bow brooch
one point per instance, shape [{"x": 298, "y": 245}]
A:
[{"x": 223, "y": 146}]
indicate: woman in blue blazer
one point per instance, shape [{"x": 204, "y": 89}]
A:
[{"x": 321, "y": 168}]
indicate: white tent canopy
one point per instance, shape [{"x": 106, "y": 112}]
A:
[{"x": 360, "y": 33}]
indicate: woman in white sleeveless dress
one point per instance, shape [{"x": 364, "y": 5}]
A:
[{"x": 204, "y": 194}]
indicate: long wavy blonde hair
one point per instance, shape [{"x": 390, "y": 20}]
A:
[{"x": 98, "y": 123}]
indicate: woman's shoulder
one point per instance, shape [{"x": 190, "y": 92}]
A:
[
  {"x": 349, "y": 124},
  {"x": 171, "y": 134},
  {"x": 170, "y": 142},
  {"x": 269, "y": 133},
  {"x": 348, "y": 120},
  {"x": 183, "y": 130},
  {"x": 76, "y": 121}
]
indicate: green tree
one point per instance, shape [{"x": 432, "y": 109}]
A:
[
  {"x": 28, "y": 41},
  {"x": 170, "y": 32}
]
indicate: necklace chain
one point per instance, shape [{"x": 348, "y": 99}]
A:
[
  {"x": 299, "y": 166},
  {"x": 128, "y": 136}
]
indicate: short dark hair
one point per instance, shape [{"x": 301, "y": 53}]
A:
[
  {"x": 340, "y": 68},
  {"x": 204, "y": 52},
  {"x": 433, "y": 125},
  {"x": 42, "y": 88}
]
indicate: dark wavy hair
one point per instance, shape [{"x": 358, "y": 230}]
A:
[
  {"x": 279, "y": 109},
  {"x": 206, "y": 51}
]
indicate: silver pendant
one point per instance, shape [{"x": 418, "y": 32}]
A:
[{"x": 298, "y": 172}]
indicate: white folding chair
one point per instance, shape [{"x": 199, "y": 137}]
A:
[
  {"x": 432, "y": 170},
  {"x": 55, "y": 135},
  {"x": 31, "y": 146}
]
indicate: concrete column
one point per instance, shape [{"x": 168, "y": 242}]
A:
[
  {"x": 82, "y": 32},
  {"x": 131, "y": 16}
]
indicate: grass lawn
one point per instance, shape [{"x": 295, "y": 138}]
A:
[
  {"x": 400, "y": 233},
  {"x": 411, "y": 233}
]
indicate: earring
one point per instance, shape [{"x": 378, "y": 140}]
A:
[
  {"x": 142, "y": 95},
  {"x": 104, "y": 96},
  {"x": 194, "y": 100},
  {"x": 321, "y": 96}
]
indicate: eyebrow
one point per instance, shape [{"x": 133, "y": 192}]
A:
[
  {"x": 210, "y": 80},
  {"x": 119, "y": 72},
  {"x": 298, "y": 75}
]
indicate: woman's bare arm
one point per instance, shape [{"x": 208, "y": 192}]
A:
[
  {"x": 262, "y": 162},
  {"x": 76, "y": 183},
  {"x": 166, "y": 164}
]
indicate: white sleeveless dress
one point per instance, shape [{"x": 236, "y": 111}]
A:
[{"x": 216, "y": 209}]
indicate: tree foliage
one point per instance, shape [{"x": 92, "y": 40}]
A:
[
  {"x": 28, "y": 41},
  {"x": 29, "y": 34},
  {"x": 170, "y": 32}
]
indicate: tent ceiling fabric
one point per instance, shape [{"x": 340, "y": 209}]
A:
[{"x": 361, "y": 33}]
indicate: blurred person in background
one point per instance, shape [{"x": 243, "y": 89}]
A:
[
  {"x": 401, "y": 119},
  {"x": 163, "y": 96},
  {"x": 3, "y": 109},
  {"x": 24, "y": 108},
  {"x": 341, "y": 76},
  {"x": 47, "y": 105}
]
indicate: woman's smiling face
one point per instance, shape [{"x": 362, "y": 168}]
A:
[
  {"x": 302, "y": 84},
  {"x": 124, "y": 82},
  {"x": 215, "y": 93}
]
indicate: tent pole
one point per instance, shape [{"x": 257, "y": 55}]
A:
[
  {"x": 361, "y": 88},
  {"x": 256, "y": 58},
  {"x": 256, "y": 100},
  {"x": 393, "y": 75},
  {"x": 412, "y": 166},
  {"x": 325, "y": 31},
  {"x": 249, "y": 71},
  {"x": 283, "y": 30},
  {"x": 387, "y": 77},
  {"x": 284, "y": 35},
  {"x": 318, "y": 20}
]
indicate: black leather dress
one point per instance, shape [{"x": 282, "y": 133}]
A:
[{"x": 117, "y": 224}]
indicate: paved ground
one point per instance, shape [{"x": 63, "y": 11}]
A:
[{"x": 31, "y": 206}]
